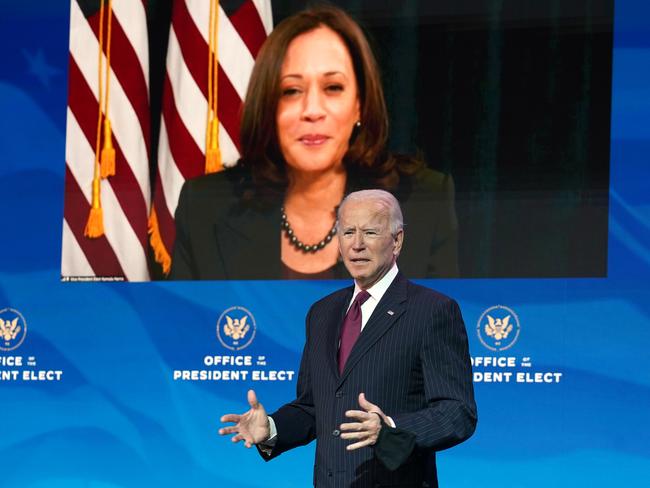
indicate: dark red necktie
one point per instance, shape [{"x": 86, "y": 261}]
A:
[{"x": 351, "y": 327}]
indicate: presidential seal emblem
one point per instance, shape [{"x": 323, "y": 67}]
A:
[
  {"x": 498, "y": 328},
  {"x": 13, "y": 329},
  {"x": 236, "y": 328}
]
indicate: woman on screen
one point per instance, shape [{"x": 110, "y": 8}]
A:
[{"x": 314, "y": 128}]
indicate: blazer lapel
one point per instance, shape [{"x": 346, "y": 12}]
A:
[
  {"x": 388, "y": 310},
  {"x": 248, "y": 239},
  {"x": 333, "y": 327}
]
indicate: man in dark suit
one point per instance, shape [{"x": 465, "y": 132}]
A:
[{"x": 385, "y": 377}]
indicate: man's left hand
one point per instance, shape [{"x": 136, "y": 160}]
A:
[{"x": 366, "y": 426}]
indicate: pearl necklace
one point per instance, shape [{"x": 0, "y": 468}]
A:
[{"x": 297, "y": 243}]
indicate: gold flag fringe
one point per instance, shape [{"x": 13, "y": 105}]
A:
[
  {"x": 108, "y": 152},
  {"x": 95, "y": 223},
  {"x": 161, "y": 255},
  {"x": 213, "y": 154},
  {"x": 213, "y": 161}
]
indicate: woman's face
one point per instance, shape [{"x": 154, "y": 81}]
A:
[{"x": 319, "y": 102}]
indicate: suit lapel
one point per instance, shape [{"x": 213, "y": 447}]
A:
[{"x": 391, "y": 306}]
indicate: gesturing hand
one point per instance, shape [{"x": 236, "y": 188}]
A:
[
  {"x": 251, "y": 427},
  {"x": 367, "y": 426}
]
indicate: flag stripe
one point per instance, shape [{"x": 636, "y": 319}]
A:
[
  {"x": 229, "y": 145},
  {"x": 76, "y": 211},
  {"x": 246, "y": 20},
  {"x": 126, "y": 127},
  {"x": 171, "y": 176},
  {"x": 181, "y": 149},
  {"x": 84, "y": 106},
  {"x": 131, "y": 17},
  {"x": 229, "y": 107},
  {"x": 190, "y": 103},
  {"x": 194, "y": 51},
  {"x": 192, "y": 46},
  {"x": 124, "y": 59},
  {"x": 234, "y": 57},
  {"x": 125, "y": 196},
  {"x": 122, "y": 238},
  {"x": 165, "y": 218},
  {"x": 265, "y": 12},
  {"x": 184, "y": 150},
  {"x": 74, "y": 261}
]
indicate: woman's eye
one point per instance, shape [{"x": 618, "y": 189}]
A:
[
  {"x": 334, "y": 88},
  {"x": 290, "y": 91}
]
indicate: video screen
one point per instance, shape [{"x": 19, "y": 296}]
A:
[{"x": 488, "y": 120}]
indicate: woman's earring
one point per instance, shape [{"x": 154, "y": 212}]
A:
[{"x": 358, "y": 124}]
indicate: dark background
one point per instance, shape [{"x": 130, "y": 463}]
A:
[{"x": 512, "y": 98}]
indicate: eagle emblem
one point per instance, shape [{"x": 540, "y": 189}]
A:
[
  {"x": 236, "y": 328},
  {"x": 13, "y": 329},
  {"x": 9, "y": 329},
  {"x": 498, "y": 328}
]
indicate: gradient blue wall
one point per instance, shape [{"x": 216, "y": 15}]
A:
[{"x": 117, "y": 418}]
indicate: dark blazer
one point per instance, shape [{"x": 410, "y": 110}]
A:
[
  {"x": 411, "y": 360},
  {"x": 220, "y": 234}
]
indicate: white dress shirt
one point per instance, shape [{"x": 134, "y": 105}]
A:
[{"x": 376, "y": 292}]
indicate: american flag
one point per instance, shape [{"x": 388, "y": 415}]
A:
[
  {"x": 125, "y": 197},
  {"x": 242, "y": 28},
  {"x": 128, "y": 212}
]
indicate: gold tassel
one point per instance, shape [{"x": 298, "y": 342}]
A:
[
  {"x": 213, "y": 161},
  {"x": 161, "y": 255},
  {"x": 108, "y": 152},
  {"x": 213, "y": 154},
  {"x": 95, "y": 225}
]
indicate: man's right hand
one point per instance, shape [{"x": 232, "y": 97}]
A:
[{"x": 251, "y": 427}]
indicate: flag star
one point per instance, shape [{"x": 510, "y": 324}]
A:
[{"x": 39, "y": 67}]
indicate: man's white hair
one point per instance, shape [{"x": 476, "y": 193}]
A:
[{"x": 382, "y": 197}]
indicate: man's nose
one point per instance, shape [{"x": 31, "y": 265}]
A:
[
  {"x": 358, "y": 242},
  {"x": 313, "y": 105}
]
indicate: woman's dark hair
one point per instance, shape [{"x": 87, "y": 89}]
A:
[{"x": 367, "y": 157}]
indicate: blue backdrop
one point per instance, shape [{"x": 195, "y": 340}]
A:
[{"x": 89, "y": 397}]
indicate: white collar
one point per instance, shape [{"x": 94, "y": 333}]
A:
[{"x": 377, "y": 290}]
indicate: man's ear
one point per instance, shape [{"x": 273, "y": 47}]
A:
[{"x": 398, "y": 240}]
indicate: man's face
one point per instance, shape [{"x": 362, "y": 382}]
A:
[{"x": 367, "y": 246}]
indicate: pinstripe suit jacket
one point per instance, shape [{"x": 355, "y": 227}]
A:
[{"x": 411, "y": 360}]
